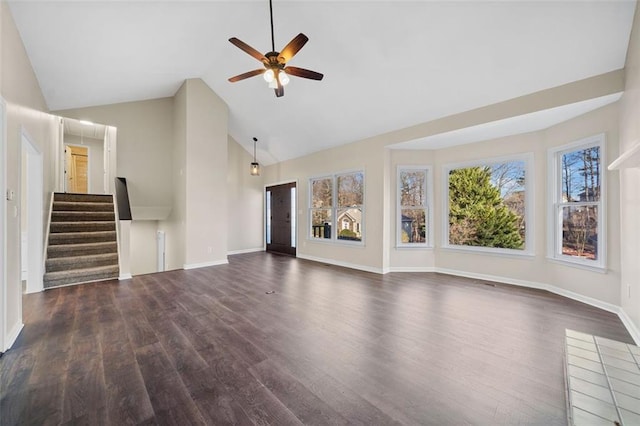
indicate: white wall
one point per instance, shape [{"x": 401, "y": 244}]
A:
[
  {"x": 25, "y": 112},
  {"x": 96, "y": 160},
  {"x": 630, "y": 182},
  {"x": 245, "y": 194}
]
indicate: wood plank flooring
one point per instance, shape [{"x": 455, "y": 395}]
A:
[{"x": 330, "y": 346}]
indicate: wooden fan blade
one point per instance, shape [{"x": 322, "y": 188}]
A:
[
  {"x": 292, "y": 48},
  {"x": 246, "y": 75},
  {"x": 301, "y": 72},
  {"x": 250, "y": 50}
]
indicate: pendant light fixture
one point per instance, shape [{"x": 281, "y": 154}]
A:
[{"x": 255, "y": 167}]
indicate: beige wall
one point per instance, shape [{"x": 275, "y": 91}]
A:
[
  {"x": 380, "y": 253},
  {"x": 206, "y": 176},
  {"x": 630, "y": 181},
  {"x": 245, "y": 195},
  {"x": 173, "y": 226},
  {"x": 25, "y": 113},
  {"x": 143, "y": 247},
  {"x": 537, "y": 269},
  {"x": 144, "y": 141}
]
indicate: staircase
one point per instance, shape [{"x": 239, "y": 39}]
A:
[{"x": 82, "y": 240}]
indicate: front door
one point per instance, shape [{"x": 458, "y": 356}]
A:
[{"x": 280, "y": 219}]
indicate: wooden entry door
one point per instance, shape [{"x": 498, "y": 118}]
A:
[
  {"x": 77, "y": 169},
  {"x": 280, "y": 219}
]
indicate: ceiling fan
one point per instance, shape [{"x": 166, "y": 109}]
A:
[{"x": 276, "y": 72}]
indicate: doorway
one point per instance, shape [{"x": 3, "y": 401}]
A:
[
  {"x": 281, "y": 218},
  {"x": 76, "y": 169},
  {"x": 32, "y": 221}
]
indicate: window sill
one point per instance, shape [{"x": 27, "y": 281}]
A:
[
  {"x": 578, "y": 265},
  {"x": 514, "y": 254},
  {"x": 413, "y": 247},
  {"x": 329, "y": 241}
]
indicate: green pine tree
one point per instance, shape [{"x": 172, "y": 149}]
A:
[{"x": 477, "y": 213}]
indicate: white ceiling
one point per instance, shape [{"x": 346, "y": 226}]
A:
[
  {"x": 387, "y": 64},
  {"x": 84, "y": 129}
]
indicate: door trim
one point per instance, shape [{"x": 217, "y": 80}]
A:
[
  {"x": 65, "y": 145},
  {"x": 264, "y": 210}
]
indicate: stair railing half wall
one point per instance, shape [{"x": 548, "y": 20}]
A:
[
  {"x": 47, "y": 230},
  {"x": 123, "y": 227}
]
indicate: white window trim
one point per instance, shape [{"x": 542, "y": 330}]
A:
[
  {"x": 529, "y": 188},
  {"x": 334, "y": 209},
  {"x": 428, "y": 207},
  {"x": 554, "y": 191}
]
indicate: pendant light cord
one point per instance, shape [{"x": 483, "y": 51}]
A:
[
  {"x": 273, "y": 44},
  {"x": 255, "y": 140}
]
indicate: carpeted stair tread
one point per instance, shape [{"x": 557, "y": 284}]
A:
[
  {"x": 81, "y": 237},
  {"x": 82, "y": 240},
  {"x": 87, "y": 226},
  {"x": 82, "y": 198},
  {"x": 76, "y": 216},
  {"x": 67, "y": 250},
  {"x": 81, "y": 262},
  {"x": 53, "y": 279},
  {"x": 82, "y": 206}
]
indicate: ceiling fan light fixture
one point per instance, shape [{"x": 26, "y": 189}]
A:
[
  {"x": 268, "y": 75},
  {"x": 283, "y": 77},
  {"x": 275, "y": 62}
]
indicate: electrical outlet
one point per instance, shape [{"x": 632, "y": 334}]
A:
[
  {"x": 209, "y": 250},
  {"x": 629, "y": 290}
]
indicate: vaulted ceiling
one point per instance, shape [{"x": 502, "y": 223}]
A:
[{"x": 387, "y": 64}]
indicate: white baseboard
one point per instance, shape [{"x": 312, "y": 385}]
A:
[
  {"x": 632, "y": 328},
  {"x": 609, "y": 307},
  {"x": 188, "y": 266},
  {"x": 411, "y": 269},
  {"x": 343, "y": 264},
  {"x": 125, "y": 277},
  {"x": 12, "y": 336},
  {"x": 243, "y": 251}
]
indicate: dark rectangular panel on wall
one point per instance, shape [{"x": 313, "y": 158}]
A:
[{"x": 122, "y": 198}]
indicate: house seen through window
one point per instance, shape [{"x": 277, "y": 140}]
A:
[{"x": 340, "y": 197}]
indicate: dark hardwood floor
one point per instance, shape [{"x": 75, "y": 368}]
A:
[{"x": 331, "y": 346}]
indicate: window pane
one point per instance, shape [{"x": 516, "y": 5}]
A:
[
  {"x": 581, "y": 175},
  {"x": 487, "y": 206},
  {"x": 580, "y": 232},
  {"x": 350, "y": 224},
  {"x": 412, "y": 190},
  {"x": 350, "y": 190},
  {"x": 321, "y": 223},
  {"x": 294, "y": 204},
  {"x": 268, "y": 202},
  {"x": 413, "y": 225},
  {"x": 322, "y": 190}
]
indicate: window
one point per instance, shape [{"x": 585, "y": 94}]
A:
[
  {"x": 347, "y": 190},
  {"x": 414, "y": 215},
  {"x": 487, "y": 205},
  {"x": 577, "y": 206}
]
